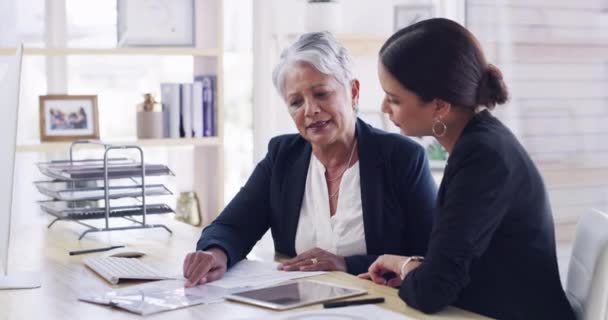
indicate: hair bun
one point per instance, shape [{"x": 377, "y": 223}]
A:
[{"x": 492, "y": 89}]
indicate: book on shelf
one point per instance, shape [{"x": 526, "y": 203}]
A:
[
  {"x": 171, "y": 102},
  {"x": 209, "y": 103},
  {"x": 197, "y": 109},
  {"x": 186, "y": 110},
  {"x": 189, "y": 108}
]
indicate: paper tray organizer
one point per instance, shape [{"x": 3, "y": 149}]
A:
[{"x": 81, "y": 189}]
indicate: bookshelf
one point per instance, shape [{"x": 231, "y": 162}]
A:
[
  {"x": 156, "y": 51},
  {"x": 168, "y": 142},
  {"x": 208, "y": 152},
  {"x": 357, "y": 44}
]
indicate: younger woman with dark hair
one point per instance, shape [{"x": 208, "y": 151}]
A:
[{"x": 492, "y": 247}]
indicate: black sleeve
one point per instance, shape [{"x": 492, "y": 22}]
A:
[
  {"x": 245, "y": 219},
  {"x": 474, "y": 206},
  {"x": 416, "y": 190},
  {"x": 419, "y": 198},
  {"x": 359, "y": 263}
]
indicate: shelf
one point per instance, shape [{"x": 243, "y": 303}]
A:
[
  {"x": 357, "y": 44},
  {"x": 158, "y": 51},
  {"x": 64, "y": 146}
]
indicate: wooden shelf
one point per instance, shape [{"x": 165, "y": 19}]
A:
[
  {"x": 157, "y": 51},
  {"x": 357, "y": 44},
  {"x": 64, "y": 146}
]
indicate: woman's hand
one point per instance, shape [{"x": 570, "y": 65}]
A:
[
  {"x": 386, "y": 264},
  {"x": 201, "y": 267},
  {"x": 314, "y": 260}
]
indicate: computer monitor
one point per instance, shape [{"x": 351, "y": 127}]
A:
[{"x": 9, "y": 101}]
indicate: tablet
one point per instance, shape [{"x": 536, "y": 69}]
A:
[{"x": 295, "y": 294}]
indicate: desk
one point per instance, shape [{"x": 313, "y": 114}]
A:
[
  {"x": 63, "y": 276},
  {"x": 36, "y": 248}
]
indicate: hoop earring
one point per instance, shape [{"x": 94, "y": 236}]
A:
[{"x": 442, "y": 126}]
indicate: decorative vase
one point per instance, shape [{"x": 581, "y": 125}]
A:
[
  {"x": 187, "y": 209},
  {"x": 323, "y": 16},
  {"x": 149, "y": 119}
]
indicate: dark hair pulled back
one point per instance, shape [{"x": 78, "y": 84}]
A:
[{"x": 438, "y": 58}]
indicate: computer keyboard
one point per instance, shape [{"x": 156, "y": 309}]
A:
[{"x": 114, "y": 269}]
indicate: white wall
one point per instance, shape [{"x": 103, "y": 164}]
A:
[{"x": 555, "y": 58}]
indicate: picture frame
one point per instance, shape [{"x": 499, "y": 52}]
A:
[
  {"x": 405, "y": 15},
  {"x": 155, "y": 23},
  {"x": 68, "y": 117}
]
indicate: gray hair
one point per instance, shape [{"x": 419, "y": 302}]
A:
[{"x": 320, "y": 50}]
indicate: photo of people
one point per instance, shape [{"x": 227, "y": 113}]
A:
[
  {"x": 65, "y": 118},
  {"x": 74, "y": 120}
]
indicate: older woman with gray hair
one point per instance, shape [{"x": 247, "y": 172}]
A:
[{"x": 335, "y": 196}]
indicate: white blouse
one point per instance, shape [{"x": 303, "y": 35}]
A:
[{"x": 343, "y": 234}]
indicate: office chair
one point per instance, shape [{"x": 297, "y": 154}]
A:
[{"x": 587, "y": 287}]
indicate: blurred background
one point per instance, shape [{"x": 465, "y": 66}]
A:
[{"x": 553, "y": 54}]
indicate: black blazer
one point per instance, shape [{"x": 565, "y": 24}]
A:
[
  {"x": 398, "y": 195},
  {"x": 492, "y": 248}
]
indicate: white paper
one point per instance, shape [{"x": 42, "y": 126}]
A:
[
  {"x": 158, "y": 296},
  {"x": 364, "y": 312},
  {"x": 248, "y": 274}
]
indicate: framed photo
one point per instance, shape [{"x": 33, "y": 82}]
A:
[
  {"x": 406, "y": 15},
  {"x": 68, "y": 118},
  {"x": 155, "y": 23}
]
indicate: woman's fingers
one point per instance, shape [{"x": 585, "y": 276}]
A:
[
  {"x": 295, "y": 260},
  {"x": 394, "y": 282},
  {"x": 365, "y": 276},
  {"x": 200, "y": 264},
  {"x": 296, "y": 266},
  {"x": 187, "y": 264},
  {"x": 192, "y": 263},
  {"x": 319, "y": 266},
  {"x": 215, "y": 274}
]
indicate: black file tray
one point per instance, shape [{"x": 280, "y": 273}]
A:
[
  {"x": 88, "y": 189},
  {"x": 69, "y": 191},
  {"x": 95, "y": 170},
  {"x": 91, "y": 210}
]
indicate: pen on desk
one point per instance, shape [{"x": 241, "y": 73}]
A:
[
  {"x": 352, "y": 302},
  {"x": 76, "y": 252}
]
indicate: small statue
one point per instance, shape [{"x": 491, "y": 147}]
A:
[
  {"x": 149, "y": 119},
  {"x": 149, "y": 104}
]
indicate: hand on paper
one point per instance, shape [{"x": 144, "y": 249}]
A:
[
  {"x": 201, "y": 267},
  {"x": 314, "y": 260},
  {"x": 388, "y": 264}
]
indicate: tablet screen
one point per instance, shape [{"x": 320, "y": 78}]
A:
[{"x": 295, "y": 294}]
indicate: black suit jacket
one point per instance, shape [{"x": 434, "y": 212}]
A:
[
  {"x": 492, "y": 249},
  {"x": 397, "y": 195}
]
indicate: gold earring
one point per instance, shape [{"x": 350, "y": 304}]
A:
[{"x": 442, "y": 127}]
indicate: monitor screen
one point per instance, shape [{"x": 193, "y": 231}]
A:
[{"x": 9, "y": 102}]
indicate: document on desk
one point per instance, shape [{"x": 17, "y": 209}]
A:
[
  {"x": 250, "y": 274},
  {"x": 346, "y": 313},
  {"x": 166, "y": 295},
  {"x": 157, "y": 296}
]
